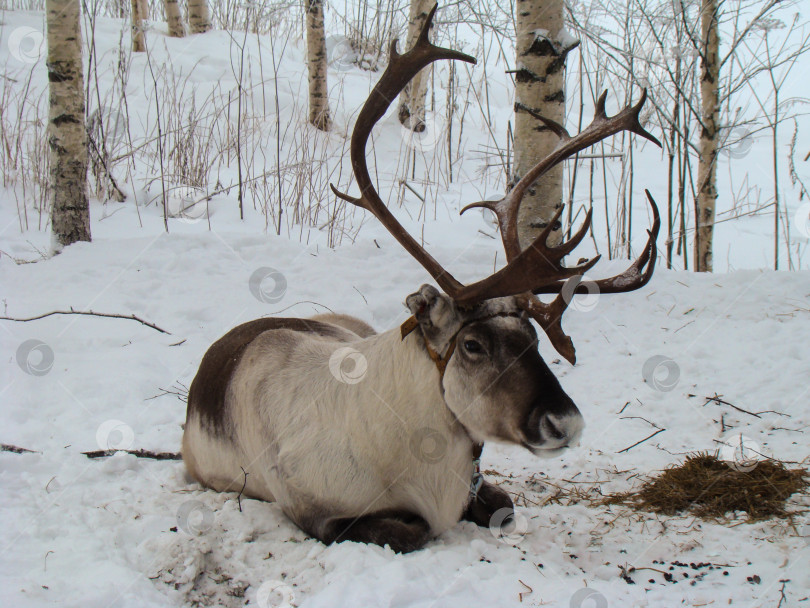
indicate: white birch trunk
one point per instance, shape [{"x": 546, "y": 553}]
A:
[
  {"x": 412, "y": 98},
  {"x": 316, "y": 65},
  {"x": 136, "y": 16},
  {"x": 539, "y": 85},
  {"x": 171, "y": 8},
  {"x": 707, "y": 164},
  {"x": 199, "y": 19},
  {"x": 67, "y": 138}
]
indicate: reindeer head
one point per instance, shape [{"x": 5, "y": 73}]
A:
[{"x": 494, "y": 379}]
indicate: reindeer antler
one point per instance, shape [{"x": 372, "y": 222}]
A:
[
  {"x": 538, "y": 268},
  {"x": 401, "y": 69},
  {"x": 506, "y": 210}
]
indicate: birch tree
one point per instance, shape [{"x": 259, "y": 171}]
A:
[
  {"x": 707, "y": 160},
  {"x": 136, "y": 19},
  {"x": 412, "y": 98},
  {"x": 542, "y": 45},
  {"x": 316, "y": 65},
  {"x": 67, "y": 138},
  {"x": 171, "y": 9},
  {"x": 199, "y": 20}
]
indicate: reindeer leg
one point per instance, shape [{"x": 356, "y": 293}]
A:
[
  {"x": 403, "y": 531},
  {"x": 486, "y": 503}
]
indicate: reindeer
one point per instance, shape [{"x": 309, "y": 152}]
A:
[{"x": 387, "y": 453}]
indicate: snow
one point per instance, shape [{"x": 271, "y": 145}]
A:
[
  {"x": 96, "y": 532},
  {"x": 566, "y": 39},
  {"x": 134, "y": 532}
]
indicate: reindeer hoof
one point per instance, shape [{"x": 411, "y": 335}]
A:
[{"x": 487, "y": 502}]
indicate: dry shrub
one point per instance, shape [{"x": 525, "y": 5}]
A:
[{"x": 712, "y": 489}]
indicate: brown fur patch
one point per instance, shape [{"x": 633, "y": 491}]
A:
[
  {"x": 361, "y": 328},
  {"x": 206, "y": 397}
]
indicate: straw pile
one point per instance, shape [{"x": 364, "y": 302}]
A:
[{"x": 710, "y": 488}]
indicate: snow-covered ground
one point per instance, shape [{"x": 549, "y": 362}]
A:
[
  {"x": 124, "y": 531},
  {"x": 121, "y": 531}
]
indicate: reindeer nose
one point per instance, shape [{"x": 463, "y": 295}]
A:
[
  {"x": 560, "y": 430},
  {"x": 551, "y": 427}
]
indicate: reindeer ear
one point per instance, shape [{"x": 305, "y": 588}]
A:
[
  {"x": 422, "y": 303},
  {"x": 434, "y": 313}
]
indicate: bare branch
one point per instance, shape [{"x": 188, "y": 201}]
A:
[
  {"x": 628, "y": 448},
  {"x": 137, "y": 453},
  {"x": 88, "y": 313}
]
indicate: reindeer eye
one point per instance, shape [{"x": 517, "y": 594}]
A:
[{"x": 471, "y": 346}]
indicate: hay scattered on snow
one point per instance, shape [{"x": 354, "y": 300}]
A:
[{"x": 710, "y": 488}]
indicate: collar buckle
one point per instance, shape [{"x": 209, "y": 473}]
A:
[{"x": 477, "y": 478}]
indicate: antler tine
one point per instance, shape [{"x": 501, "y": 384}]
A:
[
  {"x": 532, "y": 270},
  {"x": 569, "y": 245},
  {"x": 632, "y": 278},
  {"x": 599, "y": 111},
  {"x": 602, "y": 126},
  {"x": 401, "y": 69},
  {"x": 548, "y": 317}
]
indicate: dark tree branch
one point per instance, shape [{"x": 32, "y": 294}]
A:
[
  {"x": 628, "y": 448},
  {"x": 88, "y": 313},
  {"x": 137, "y": 454},
  {"x": 717, "y": 399},
  {"x": 5, "y": 447},
  {"x": 244, "y": 483}
]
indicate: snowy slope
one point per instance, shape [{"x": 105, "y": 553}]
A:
[{"x": 130, "y": 532}]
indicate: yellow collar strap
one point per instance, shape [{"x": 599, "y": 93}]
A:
[{"x": 441, "y": 361}]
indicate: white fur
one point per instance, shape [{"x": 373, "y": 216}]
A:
[{"x": 318, "y": 445}]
